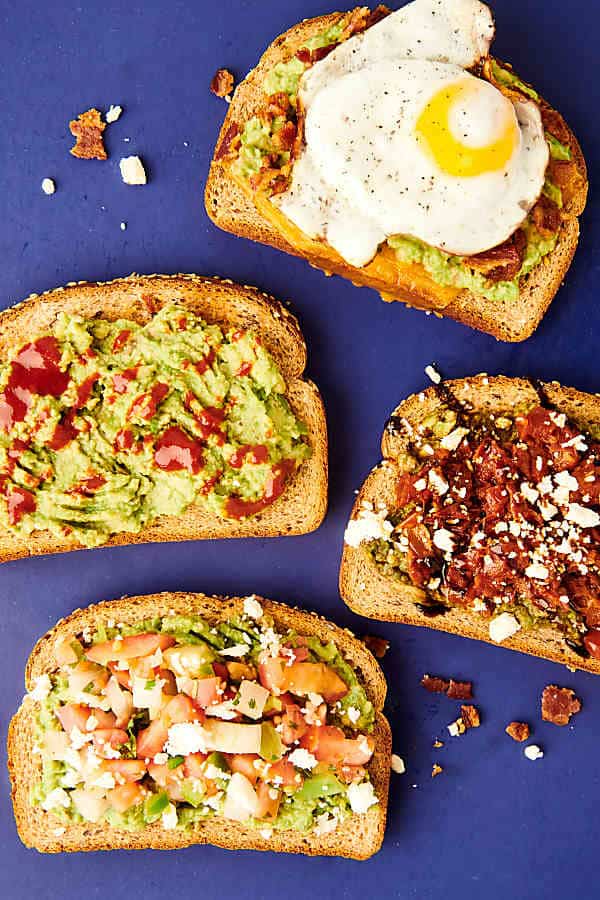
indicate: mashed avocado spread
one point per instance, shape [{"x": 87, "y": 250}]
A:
[
  {"x": 177, "y": 721},
  {"x": 106, "y": 425}
]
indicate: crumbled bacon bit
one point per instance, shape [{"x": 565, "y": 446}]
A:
[
  {"x": 230, "y": 143},
  {"x": 518, "y": 731},
  {"x": 460, "y": 690},
  {"x": 434, "y": 684},
  {"x": 87, "y": 130},
  {"x": 456, "y": 690},
  {"x": 437, "y": 743},
  {"x": 436, "y": 770},
  {"x": 376, "y": 15},
  {"x": 559, "y": 704},
  {"x": 470, "y": 716},
  {"x": 222, "y": 83},
  {"x": 377, "y": 645},
  {"x": 501, "y": 263},
  {"x": 546, "y": 217}
]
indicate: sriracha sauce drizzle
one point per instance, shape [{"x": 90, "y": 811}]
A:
[
  {"x": 238, "y": 508},
  {"x": 35, "y": 370},
  {"x": 175, "y": 450}
]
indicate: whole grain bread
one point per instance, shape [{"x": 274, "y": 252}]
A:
[
  {"x": 302, "y": 506},
  {"x": 233, "y": 210},
  {"x": 370, "y": 593},
  {"x": 358, "y": 838}
]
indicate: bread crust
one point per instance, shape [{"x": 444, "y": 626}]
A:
[
  {"x": 358, "y": 838},
  {"x": 364, "y": 587},
  {"x": 302, "y": 507},
  {"x": 507, "y": 320}
]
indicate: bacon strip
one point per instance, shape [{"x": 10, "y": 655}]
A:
[{"x": 501, "y": 263}]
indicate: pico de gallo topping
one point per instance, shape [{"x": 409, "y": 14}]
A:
[
  {"x": 176, "y": 720},
  {"x": 106, "y": 425},
  {"x": 500, "y": 516}
]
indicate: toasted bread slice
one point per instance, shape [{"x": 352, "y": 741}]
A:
[
  {"x": 233, "y": 209},
  {"x": 370, "y": 593},
  {"x": 358, "y": 838},
  {"x": 302, "y": 506}
]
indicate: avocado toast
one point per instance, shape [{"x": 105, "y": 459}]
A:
[
  {"x": 483, "y": 518},
  {"x": 155, "y": 408},
  {"x": 504, "y": 291},
  {"x": 184, "y": 673}
]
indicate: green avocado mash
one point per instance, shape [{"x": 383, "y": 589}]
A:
[
  {"x": 106, "y": 425},
  {"x": 455, "y": 271},
  {"x": 72, "y": 768},
  {"x": 511, "y": 79}
]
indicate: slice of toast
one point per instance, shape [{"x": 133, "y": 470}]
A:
[
  {"x": 370, "y": 593},
  {"x": 302, "y": 506},
  {"x": 357, "y": 838},
  {"x": 233, "y": 209}
]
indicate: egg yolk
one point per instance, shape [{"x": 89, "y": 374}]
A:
[{"x": 434, "y": 132}]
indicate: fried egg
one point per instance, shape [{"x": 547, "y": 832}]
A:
[{"x": 401, "y": 139}]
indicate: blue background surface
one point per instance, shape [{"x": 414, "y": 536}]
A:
[{"x": 494, "y": 825}]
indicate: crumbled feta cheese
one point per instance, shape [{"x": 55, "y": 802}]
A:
[
  {"x": 433, "y": 374},
  {"x": 58, "y": 832},
  {"x": 236, "y": 650},
  {"x": 361, "y": 797},
  {"x": 302, "y": 759},
  {"x": 533, "y": 752},
  {"x": 443, "y": 540},
  {"x": 420, "y": 485},
  {"x": 324, "y": 824},
  {"x": 132, "y": 170},
  {"x": 316, "y": 699},
  {"x": 582, "y": 516},
  {"x": 78, "y": 738},
  {"x": 368, "y": 526},
  {"x": 537, "y": 570},
  {"x": 41, "y": 689},
  {"x": 452, "y": 441},
  {"x": 105, "y": 781},
  {"x": 161, "y": 759},
  {"x": 266, "y": 833},
  {"x": 529, "y": 493},
  {"x": 185, "y": 738},
  {"x": 123, "y": 226},
  {"x": 48, "y": 186},
  {"x": 252, "y": 607},
  {"x": 113, "y": 113},
  {"x": 169, "y": 817},
  {"x": 503, "y": 627},
  {"x": 398, "y": 764},
  {"x": 147, "y": 694},
  {"x": 439, "y": 484},
  {"x": 56, "y": 798},
  {"x": 353, "y": 714}
]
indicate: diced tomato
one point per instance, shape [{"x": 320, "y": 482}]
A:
[
  {"x": 269, "y": 799},
  {"x": 75, "y": 715},
  {"x": 130, "y": 647},
  {"x": 87, "y": 675},
  {"x": 283, "y": 774},
  {"x": 125, "y": 796},
  {"x": 271, "y": 673},
  {"x": 314, "y": 678},
  {"x": 348, "y": 774},
  {"x": 122, "y": 675},
  {"x": 207, "y": 691},
  {"x": 295, "y": 654},
  {"x": 294, "y": 725},
  {"x": 329, "y": 744},
  {"x": 221, "y": 671},
  {"x": 64, "y": 653},
  {"x": 170, "y": 685},
  {"x": 244, "y": 764},
  {"x": 152, "y": 739},
  {"x": 121, "y": 702},
  {"x": 107, "y": 739},
  {"x": 124, "y": 769},
  {"x": 169, "y": 779},
  {"x": 181, "y": 709},
  {"x": 193, "y": 763}
]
